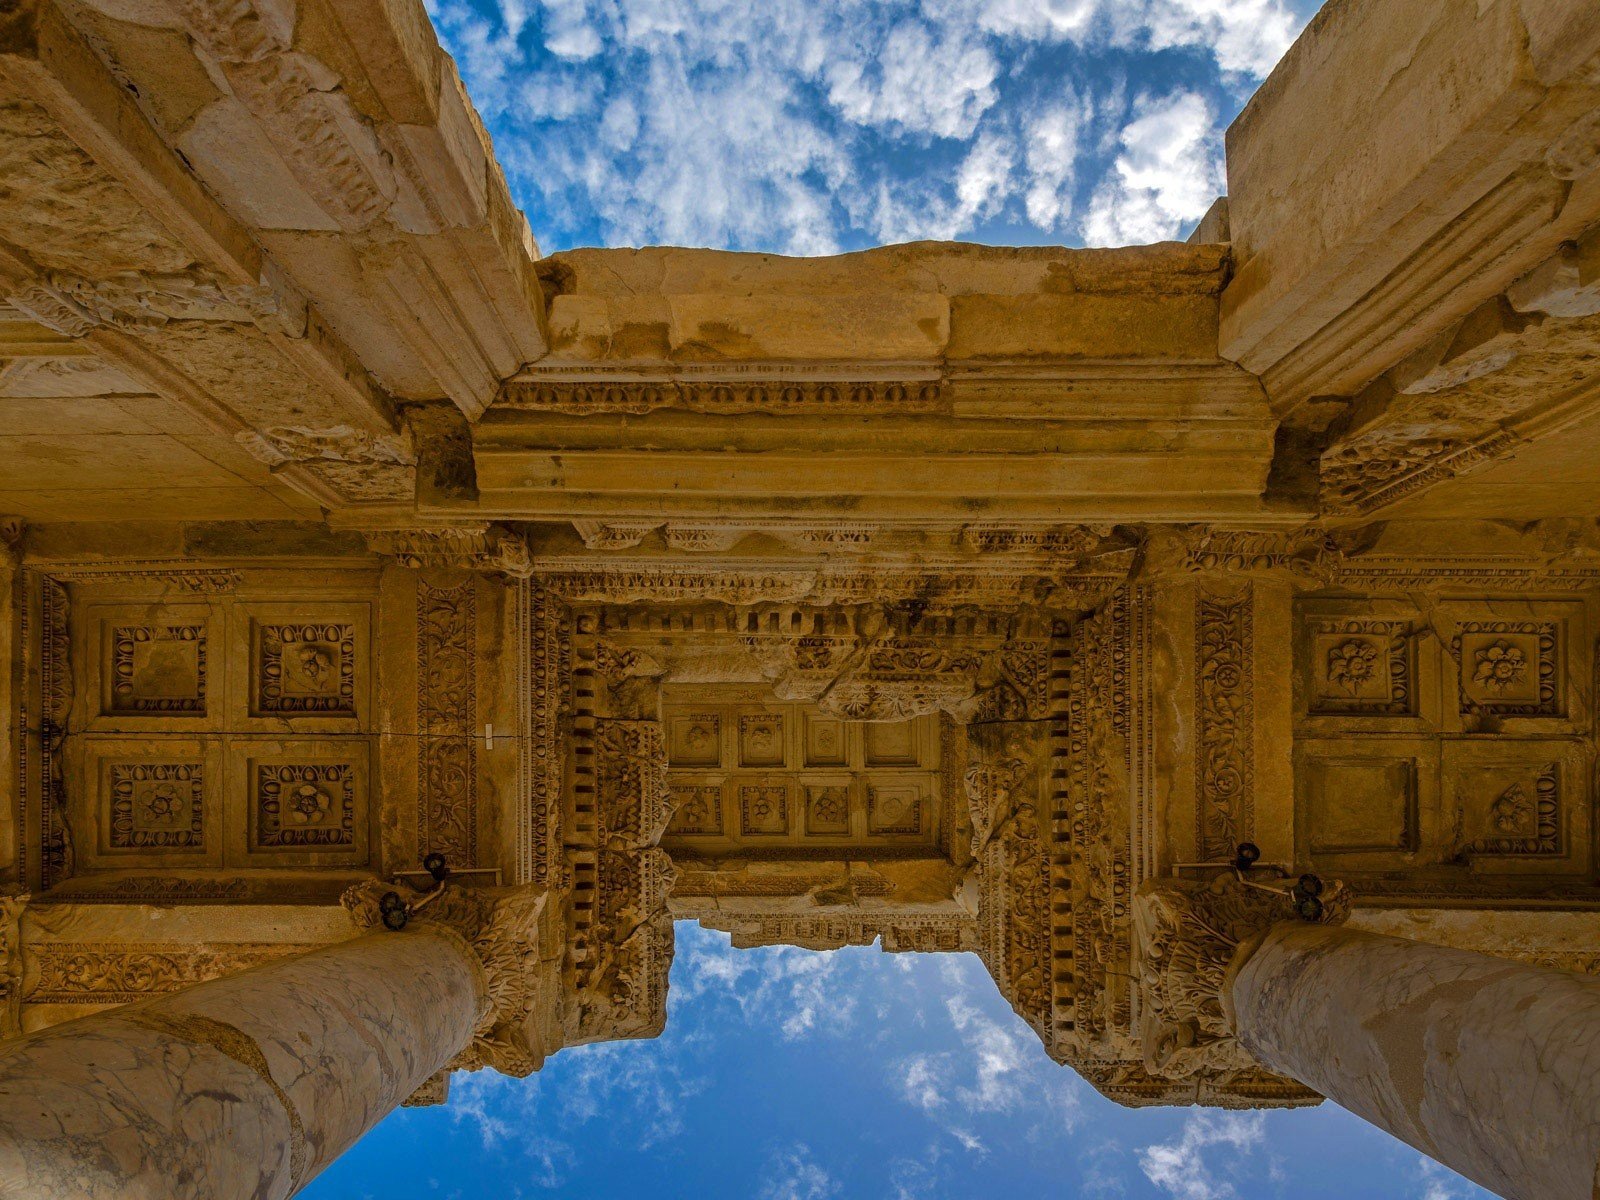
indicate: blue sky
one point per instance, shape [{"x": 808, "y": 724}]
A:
[
  {"x": 791, "y": 1075},
  {"x": 813, "y": 126}
]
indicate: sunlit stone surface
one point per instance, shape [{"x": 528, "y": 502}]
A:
[{"x": 956, "y": 597}]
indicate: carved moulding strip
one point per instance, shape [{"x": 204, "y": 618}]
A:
[
  {"x": 1363, "y": 477},
  {"x": 447, "y": 762},
  {"x": 55, "y": 688},
  {"x": 1186, "y": 948},
  {"x": 1224, "y": 719},
  {"x": 723, "y": 396},
  {"x": 123, "y": 972},
  {"x": 500, "y": 926},
  {"x": 579, "y": 579},
  {"x": 544, "y": 680}
]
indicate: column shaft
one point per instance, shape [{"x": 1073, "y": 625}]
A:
[
  {"x": 245, "y": 1086},
  {"x": 1489, "y": 1066}
]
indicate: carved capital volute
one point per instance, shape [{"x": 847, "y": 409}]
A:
[
  {"x": 1189, "y": 941},
  {"x": 500, "y": 926}
]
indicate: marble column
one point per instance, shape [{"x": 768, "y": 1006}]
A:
[
  {"x": 1489, "y": 1066},
  {"x": 249, "y": 1085}
]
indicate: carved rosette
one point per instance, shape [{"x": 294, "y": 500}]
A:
[
  {"x": 501, "y": 926},
  {"x": 1189, "y": 941}
]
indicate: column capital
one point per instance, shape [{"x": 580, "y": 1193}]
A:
[
  {"x": 1189, "y": 940},
  {"x": 478, "y": 546},
  {"x": 501, "y": 928}
]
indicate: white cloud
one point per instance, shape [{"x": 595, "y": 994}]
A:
[
  {"x": 804, "y": 125},
  {"x": 1167, "y": 174},
  {"x": 1179, "y": 1167},
  {"x": 795, "y": 1175}
]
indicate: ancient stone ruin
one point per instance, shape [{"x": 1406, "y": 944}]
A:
[{"x": 1062, "y": 606}]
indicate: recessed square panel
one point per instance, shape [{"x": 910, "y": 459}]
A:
[
  {"x": 699, "y": 810},
  {"x": 1510, "y": 668},
  {"x": 825, "y": 741},
  {"x": 304, "y": 669},
  {"x": 1362, "y": 668},
  {"x": 695, "y": 740},
  {"x": 761, "y": 740},
  {"x": 155, "y": 805},
  {"x": 303, "y": 805},
  {"x": 1361, "y": 805},
  {"x": 827, "y": 808},
  {"x": 891, "y": 744},
  {"x": 155, "y": 669},
  {"x": 894, "y": 808},
  {"x": 763, "y": 808},
  {"x": 1518, "y": 805}
]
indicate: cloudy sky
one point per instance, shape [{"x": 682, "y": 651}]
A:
[
  {"x": 810, "y": 127},
  {"x": 855, "y": 1075},
  {"x": 814, "y": 126}
]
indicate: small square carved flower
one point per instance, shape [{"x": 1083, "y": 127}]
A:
[
  {"x": 828, "y": 809},
  {"x": 1509, "y": 668},
  {"x": 305, "y": 805},
  {"x": 157, "y": 806},
  {"x": 307, "y": 669},
  {"x": 699, "y": 809},
  {"x": 1361, "y": 667},
  {"x": 763, "y": 809}
]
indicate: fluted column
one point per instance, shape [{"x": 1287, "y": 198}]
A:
[
  {"x": 249, "y": 1085},
  {"x": 1489, "y": 1066}
]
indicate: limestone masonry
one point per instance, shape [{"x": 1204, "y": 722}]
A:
[{"x": 957, "y": 597}]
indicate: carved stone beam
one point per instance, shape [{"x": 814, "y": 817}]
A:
[{"x": 479, "y": 546}]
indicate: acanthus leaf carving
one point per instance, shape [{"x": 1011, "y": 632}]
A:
[
  {"x": 501, "y": 928},
  {"x": 1187, "y": 940},
  {"x": 478, "y": 547}
]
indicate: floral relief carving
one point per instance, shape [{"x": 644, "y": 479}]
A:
[
  {"x": 122, "y": 972},
  {"x": 1509, "y": 668},
  {"x": 305, "y": 805},
  {"x": 447, "y": 764},
  {"x": 1524, "y": 819},
  {"x": 306, "y": 670},
  {"x": 1499, "y": 666},
  {"x": 1352, "y": 665},
  {"x": 156, "y": 806},
  {"x": 1225, "y": 716}
]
